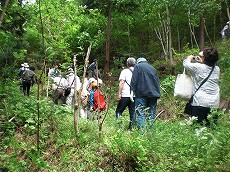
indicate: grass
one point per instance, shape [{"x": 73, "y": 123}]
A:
[{"x": 173, "y": 145}]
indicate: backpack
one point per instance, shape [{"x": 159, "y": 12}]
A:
[
  {"x": 99, "y": 101},
  {"x": 226, "y": 32},
  {"x": 67, "y": 91},
  {"x": 27, "y": 75}
]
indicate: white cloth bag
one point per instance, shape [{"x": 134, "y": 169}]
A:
[{"x": 183, "y": 87}]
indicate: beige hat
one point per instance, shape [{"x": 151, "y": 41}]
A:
[{"x": 26, "y": 65}]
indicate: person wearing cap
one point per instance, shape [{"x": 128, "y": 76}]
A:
[
  {"x": 145, "y": 85},
  {"x": 124, "y": 92},
  {"x": 207, "y": 96}
]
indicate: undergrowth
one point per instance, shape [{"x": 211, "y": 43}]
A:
[{"x": 173, "y": 145}]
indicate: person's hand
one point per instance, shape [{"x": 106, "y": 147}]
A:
[
  {"x": 198, "y": 59},
  {"x": 118, "y": 97},
  {"x": 190, "y": 57},
  {"x": 131, "y": 98}
]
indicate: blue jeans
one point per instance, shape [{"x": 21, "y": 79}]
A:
[
  {"x": 145, "y": 111},
  {"x": 122, "y": 104}
]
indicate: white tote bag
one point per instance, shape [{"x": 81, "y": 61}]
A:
[{"x": 183, "y": 87}]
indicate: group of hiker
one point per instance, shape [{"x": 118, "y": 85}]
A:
[
  {"x": 64, "y": 88},
  {"x": 138, "y": 89}
]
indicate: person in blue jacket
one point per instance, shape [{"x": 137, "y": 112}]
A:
[{"x": 145, "y": 85}]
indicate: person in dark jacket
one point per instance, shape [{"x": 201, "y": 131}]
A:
[
  {"x": 92, "y": 68},
  {"x": 145, "y": 85},
  {"x": 28, "y": 79}
]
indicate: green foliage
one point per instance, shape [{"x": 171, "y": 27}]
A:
[
  {"x": 173, "y": 145},
  {"x": 167, "y": 86},
  {"x": 224, "y": 65},
  {"x": 170, "y": 146}
]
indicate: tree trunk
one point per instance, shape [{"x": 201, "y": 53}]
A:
[
  {"x": 3, "y": 12},
  {"x": 77, "y": 94},
  {"x": 178, "y": 39},
  {"x": 76, "y": 105},
  {"x": 169, "y": 37},
  {"x": 192, "y": 34},
  {"x": 159, "y": 36},
  {"x": 106, "y": 68},
  {"x": 214, "y": 28},
  {"x": 228, "y": 12},
  {"x": 201, "y": 32},
  {"x": 207, "y": 34}
]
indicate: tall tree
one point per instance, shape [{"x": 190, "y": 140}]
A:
[
  {"x": 2, "y": 13},
  {"x": 107, "y": 61}
]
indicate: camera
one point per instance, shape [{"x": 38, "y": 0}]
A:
[{"x": 196, "y": 58}]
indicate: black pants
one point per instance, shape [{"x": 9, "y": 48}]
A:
[
  {"x": 26, "y": 87},
  {"x": 202, "y": 114},
  {"x": 122, "y": 104}
]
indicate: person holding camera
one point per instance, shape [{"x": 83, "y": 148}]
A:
[{"x": 206, "y": 76}]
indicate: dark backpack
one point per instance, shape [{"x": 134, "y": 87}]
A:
[
  {"x": 27, "y": 75},
  {"x": 99, "y": 101},
  {"x": 226, "y": 32},
  {"x": 67, "y": 91}
]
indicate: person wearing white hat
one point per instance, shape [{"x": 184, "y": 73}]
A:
[
  {"x": 24, "y": 66},
  {"x": 28, "y": 79},
  {"x": 145, "y": 85}
]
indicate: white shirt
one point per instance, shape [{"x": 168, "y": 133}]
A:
[
  {"x": 60, "y": 82},
  {"x": 225, "y": 28},
  {"x": 126, "y": 75},
  {"x": 208, "y": 94},
  {"x": 71, "y": 82}
]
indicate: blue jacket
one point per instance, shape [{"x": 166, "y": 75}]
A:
[
  {"x": 145, "y": 81},
  {"x": 91, "y": 98}
]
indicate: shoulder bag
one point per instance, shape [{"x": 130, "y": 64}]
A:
[
  {"x": 183, "y": 86},
  {"x": 188, "y": 106}
]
